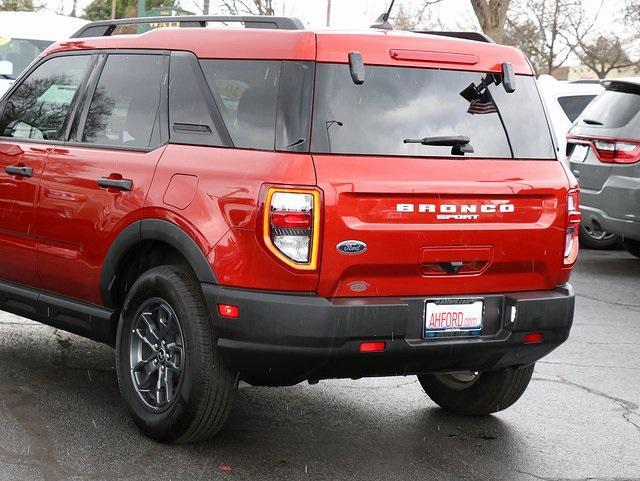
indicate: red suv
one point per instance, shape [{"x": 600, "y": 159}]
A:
[{"x": 274, "y": 205}]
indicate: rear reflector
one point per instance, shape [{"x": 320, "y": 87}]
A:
[
  {"x": 533, "y": 338},
  {"x": 375, "y": 346},
  {"x": 229, "y": 311},
  {"x": 291, "y": 220}
]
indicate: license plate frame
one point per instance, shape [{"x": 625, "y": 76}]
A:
[
  {"x": 580, "y": 153},
  {"x": 471, "y": 308}
]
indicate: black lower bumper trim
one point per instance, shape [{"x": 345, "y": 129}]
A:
[{"x": 282, "y": 339}]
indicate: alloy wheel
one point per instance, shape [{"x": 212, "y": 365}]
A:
[{"x": 157, "y": 354}]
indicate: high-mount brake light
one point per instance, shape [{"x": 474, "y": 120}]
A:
[
  {"x": 573, "y": 227},
  {"x": 617, "y": 152},
  {"x": 292, "y": 226}
]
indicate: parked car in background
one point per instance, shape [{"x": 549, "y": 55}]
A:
[
  {"x": 565, "y": 101},
  {"x": 604, "y": 155},
  {"x": 24, "y": 35}
]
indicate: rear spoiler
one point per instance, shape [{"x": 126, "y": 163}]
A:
[
  {"x": 631, "y": 85},
  {"x": 475, "y": 36}
]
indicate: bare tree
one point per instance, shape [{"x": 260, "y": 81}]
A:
[
  {"x": 492, "y": 16},
  {"x": 408, "y": 18},
  {"x": 604, "y": 54},
  {"x": 248, "y": 7},
  {"x": 549, "y": 30}
]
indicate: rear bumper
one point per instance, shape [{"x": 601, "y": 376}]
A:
[
  {"x": 616, "y": 207},
  {"x": 282, "y": 339}
]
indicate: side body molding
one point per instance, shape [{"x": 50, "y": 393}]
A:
[{"x": 152, "y": 230}]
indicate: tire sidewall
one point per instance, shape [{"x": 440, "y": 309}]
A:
[{"x": 168, "y": 423}]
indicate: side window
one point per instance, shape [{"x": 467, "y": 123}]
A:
[
  {"x": 573, "y": 105},
  {"x": 190, "y": 111},
  {"x": 39, "y": 107},
  {"x": 125, "y": 107},
  {"x": 247, "y": 93}
]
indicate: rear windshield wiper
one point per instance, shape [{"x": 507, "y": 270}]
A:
[
  {"x": 592, "y": 122},
  {"x": 460, "y": 144}
]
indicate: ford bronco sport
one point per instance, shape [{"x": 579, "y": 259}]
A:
[{"x": 275, "y": 205}]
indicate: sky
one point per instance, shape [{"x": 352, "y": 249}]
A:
[
  {"x": 360, "y": 13},
  {"x": 452, "y": 14}
]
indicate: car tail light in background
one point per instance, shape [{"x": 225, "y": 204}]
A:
[
  {"x": 617, "y": 152},
  {"x": 573, "y": 227},
  {"x": 292, "y": 226}
]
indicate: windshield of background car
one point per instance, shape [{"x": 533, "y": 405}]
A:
[
  {"x": 394, "y": 104},
  {"x": 20, "y": 52},
  {"x": 614, "y": 108}
]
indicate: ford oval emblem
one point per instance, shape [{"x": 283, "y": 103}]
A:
[{"x": 351, "y": 247}]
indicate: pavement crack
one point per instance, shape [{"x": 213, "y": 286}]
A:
[
  {"x": 633, "y": 307},
  {"x": 604, "y": 366},
  {"x": 629, "y": 407}
]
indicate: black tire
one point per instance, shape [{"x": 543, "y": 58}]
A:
[
  {"x": 598, "y": 240},
  {"x": 487, "y": 393},
  {"x": 632, "y": 247},
  {"x": 202, "y": 396}
]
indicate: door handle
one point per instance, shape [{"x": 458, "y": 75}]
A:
[
  {"x": 120, "y": 184},
  {"x": 21, "y": 171}
]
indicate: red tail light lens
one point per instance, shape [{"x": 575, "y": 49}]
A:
[
  {"x": 573, "y": 227},
  {"x": 616, "y": 152},
  {"x": 373, "y": 346},
  {"x": 291, "y": 226},
  {"x": 291, "y": 220}
]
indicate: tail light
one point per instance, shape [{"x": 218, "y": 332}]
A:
[
  {"x": 573, "y": 227},
  {"x": 615, "y": 152},
  {"x": 292, "y": 226}
]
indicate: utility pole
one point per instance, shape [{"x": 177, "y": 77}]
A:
[
  {"x": 205, "y": 9},
  {"x": 328, "y": 13},
  {"x": 113, "y": 9}
]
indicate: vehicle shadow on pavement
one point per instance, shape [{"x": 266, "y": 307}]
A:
[{"x": 63, "y": 419}]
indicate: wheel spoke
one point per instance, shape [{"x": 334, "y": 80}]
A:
[
  {"x": 159, "y": 386},
  {"x": 144, "y": 363},
  {"x": 168, "y": 384},
  {"x": 151, "y": 327},
  {"x": 164, "y": 321},
  {"x": 144, "y": 339},
  {"x": 146, "y": 382}
]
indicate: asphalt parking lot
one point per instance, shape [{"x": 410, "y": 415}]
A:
[{"x": 61, "y": 416}]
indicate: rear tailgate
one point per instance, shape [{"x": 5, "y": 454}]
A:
[{"x": 441, "y": 226}]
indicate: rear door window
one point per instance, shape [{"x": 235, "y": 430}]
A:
[
  {"x": 38, "y": 109},
  {"x": 614, "y": 108},
  {"x": 125, "y": 107},
  {"x": 395, "y": 104}
]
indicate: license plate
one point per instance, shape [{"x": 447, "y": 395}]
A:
[
  {"x": 453, "y": 317},
  {"x": 580, "y": 153}
]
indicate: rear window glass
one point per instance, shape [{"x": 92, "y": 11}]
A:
[
  {"x": 614, "y": 108},
  {"x": 395, "y": 104},
  {"x": 573, "y": 105}
]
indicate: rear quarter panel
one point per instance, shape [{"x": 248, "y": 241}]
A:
[{"x": 222, "y": 215}]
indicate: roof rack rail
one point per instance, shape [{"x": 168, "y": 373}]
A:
[
  {"x": 477, "y": 36},
  {"x": 104, "y": 28}
]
